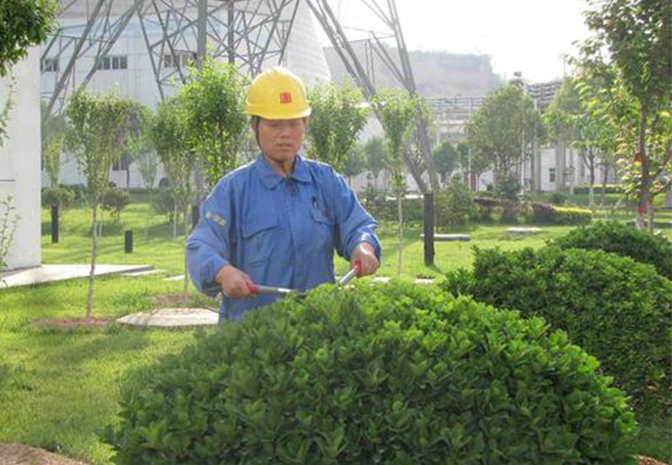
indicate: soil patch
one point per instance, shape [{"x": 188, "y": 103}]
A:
[
  {"x": 170, "y": 300},
  {"x": 71, "y": 323},
  {"x": 19, "y": 454},
  {"x": 649, "y": 461}
]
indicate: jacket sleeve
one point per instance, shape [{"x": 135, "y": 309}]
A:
[
  {"x": 208, "y": 247},
  {"x": 354, "y": 223}
]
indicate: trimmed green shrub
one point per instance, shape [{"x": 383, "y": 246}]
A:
[
  {"x": 572, "y": 216},
  {"x": 557, "y": 198},
  {"x": 386, "y": 209},
  {"x": 114, "y": 201},
  {"x": 543, "y": 213},
  {"x": 59, "y": 196},
  {"x": 499, "y": 210},
  {"x": 597, "y": 188},
  {"x": 379, "y": 374},
  {"x": 454, "y": 205},
  {"x": 618, "y": 310},
  {"x": 163, "y": 203},
  {"x": 619, "y": 238}
]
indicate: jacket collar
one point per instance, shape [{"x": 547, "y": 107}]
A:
[{"x": 271, "y": 179}]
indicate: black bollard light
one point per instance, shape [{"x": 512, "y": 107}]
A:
[
  {"x": 128, "y": 241},
  {"x": 54, "y": 224},
  {"x": 429, "y": 229}
]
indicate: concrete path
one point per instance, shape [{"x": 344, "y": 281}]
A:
[
  {"x": 172, "y": 317},
  {"x": 48, "y": 273}
]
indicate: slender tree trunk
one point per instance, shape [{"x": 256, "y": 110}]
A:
[
  {"x": 186, "y": 268},
  {"x": 94, "y": 252},
  {"x": 149, "y": 212},
  {"x": 400, "y": 213},
  {"x": 591, "y": 186},
  {"x": 643, "y": 200},
  {"x": 175, "y": 215},
  {"x": 605, "y": 178}
]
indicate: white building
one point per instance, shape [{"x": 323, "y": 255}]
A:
[{"x": 20, "y": 160}]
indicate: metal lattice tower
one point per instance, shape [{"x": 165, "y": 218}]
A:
[
  {"x": 244, "y": 32},
  {"x": 395, "y": 58}
]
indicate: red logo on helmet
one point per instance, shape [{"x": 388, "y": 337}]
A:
[{"x": 285, "y": 98}]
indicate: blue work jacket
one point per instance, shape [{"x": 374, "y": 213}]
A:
[{"x": 281, "y": 231}]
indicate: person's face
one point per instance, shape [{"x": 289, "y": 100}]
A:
[{"x": 280, "y": 140}]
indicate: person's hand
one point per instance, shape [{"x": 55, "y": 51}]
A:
[
  {"x": 234, "y": 282},
  {"x": 365, "y": 255}
]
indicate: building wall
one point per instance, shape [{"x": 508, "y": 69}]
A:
[{"x": 20, "y": 160}]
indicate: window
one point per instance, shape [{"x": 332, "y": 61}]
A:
[
  {"x": 112, "y": 62},
  {"x": 50, "y": 65},
  {"x": 181, "y": 59},
  {"x": 551, "y": 175}
]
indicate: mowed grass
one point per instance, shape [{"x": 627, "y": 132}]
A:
[{"x": 60, "y": 388}]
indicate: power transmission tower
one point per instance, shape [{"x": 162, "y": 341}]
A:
[
  {"x": 175, "y": 32},
  {"x": 362, "y": 74}
]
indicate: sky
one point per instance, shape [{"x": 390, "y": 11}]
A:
[{"x": 529, "y": 36}]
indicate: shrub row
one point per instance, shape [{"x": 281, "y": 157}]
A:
[
  {"x": 617, "y": 309},
  {"x": 453, "y": 208},
  {"x": 379, "y": 374},
  {"x": 615, "y": 237}
]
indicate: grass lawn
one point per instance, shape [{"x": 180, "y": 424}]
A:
[{"x": 59, "y": 388}]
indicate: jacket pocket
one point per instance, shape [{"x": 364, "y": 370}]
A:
[
  {"x": 259, "y": 238},
  {"x": 324, "y": 227}
]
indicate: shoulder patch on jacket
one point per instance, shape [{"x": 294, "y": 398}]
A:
[{"x": 215, "y": 217}]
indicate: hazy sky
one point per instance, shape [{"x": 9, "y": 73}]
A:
[{"x": 519, "y": 35}]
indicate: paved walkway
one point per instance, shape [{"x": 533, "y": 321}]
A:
[{"x": 48, "y": 273}]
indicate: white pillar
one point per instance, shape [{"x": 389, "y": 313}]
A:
[{"x": 20, "y": 160}]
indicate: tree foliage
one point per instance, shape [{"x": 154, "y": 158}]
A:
[
  {"x": 336, "y": 119},
  {"x": 376, "y": 157},
  {"x": 171, "y": 137},
  {"x": 214, "y": 100},
  {"x": 446, "y": 159},
  {"x": 573, "y": 117},
  {"x": 500, "y": 132},
  {"x": 96, "y": 136},
  {"x": 638, "y": 36},
  {"x": 23, "y": 23}
]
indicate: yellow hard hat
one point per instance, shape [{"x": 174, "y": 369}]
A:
[{"x": 277, "y": 94}]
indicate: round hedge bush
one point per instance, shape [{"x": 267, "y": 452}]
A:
[
  {"x": 376, "y": 374},
  {"x": 640, "y": 245},
  {"x": 618, "y": 310}
]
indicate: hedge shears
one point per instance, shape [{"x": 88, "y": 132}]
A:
[{"x": 283, "y": 291}]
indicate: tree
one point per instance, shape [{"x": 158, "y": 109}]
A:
[
  {"x": 568, "y": 119},
  {"x": 376, "y": 159},
  {"x": 638, "y": 35},
  {"x": 499, "y": 134},
  {"x": 170, "y": 135},
  {"x": 214, "y": 100},
  {"x": 337, "y": 117},
  {"x": 397, "y": 110},
  {"x": 446, "y": 159},
  {"x": 96, "y": 137},
  {"x": 354, "y": 162},
  {"x": 140, "y": 150}
]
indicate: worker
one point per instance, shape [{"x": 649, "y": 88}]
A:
[{"x": 277, "y": 220}]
